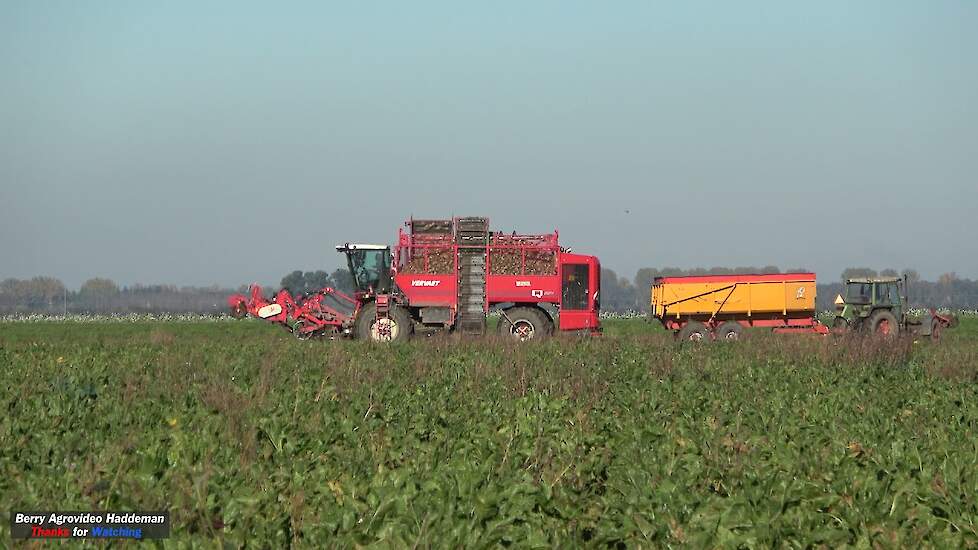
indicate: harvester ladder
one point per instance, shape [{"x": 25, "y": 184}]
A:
[{"x": 472, "y": 238}]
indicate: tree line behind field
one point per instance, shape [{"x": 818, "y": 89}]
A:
[{"x": 48, "y": 295}]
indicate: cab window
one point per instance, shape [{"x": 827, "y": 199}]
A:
[{"x": 574, "y": 286}]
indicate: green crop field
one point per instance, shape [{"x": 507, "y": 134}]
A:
[{"x": 254, "y": 439}]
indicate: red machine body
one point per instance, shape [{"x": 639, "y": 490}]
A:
[
  {"x": 519, "y": 271},
  {"x": 326, "y": 310},
  {"x": 446, "y": 274}
]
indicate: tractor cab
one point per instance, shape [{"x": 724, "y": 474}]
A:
[
  {"x": 370, "y": 266},
  {"x": 877, "y": 301}
]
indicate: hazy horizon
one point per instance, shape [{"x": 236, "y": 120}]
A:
[{"x": 226, "y": 143}]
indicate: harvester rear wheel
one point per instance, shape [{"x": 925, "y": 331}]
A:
[
  {"x": 524, "y": 323},
  {"x": 694, "y": 332},
  {"x": 397, "y": 327},
  {"x": 731, "y": 331},
  {"x": 884, "y": 323}
]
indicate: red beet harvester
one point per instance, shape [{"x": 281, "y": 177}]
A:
[{"x": 447, "y": 274}]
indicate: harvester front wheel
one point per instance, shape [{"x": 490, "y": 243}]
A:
[
  {"x": 694, "y": 332},
  {"x": 397, "y": 327},
  {"x": 731, "y": 331},
  {"x": 524, "y": 323},
  {"x": 884, "y": 323}
]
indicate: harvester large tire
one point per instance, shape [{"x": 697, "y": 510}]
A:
[
  {"x": 694, "y": 332},
  {"x": 731, "y": 331},
  {"x": 524, "y": 323},
  {"x": 884, "y": 323},
  {"x": 399, "y": 325}
]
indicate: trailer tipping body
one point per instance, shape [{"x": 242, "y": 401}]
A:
[{"x": 719, "y": 306}]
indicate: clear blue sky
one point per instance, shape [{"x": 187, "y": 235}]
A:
[{"x": 230, "y": 142}]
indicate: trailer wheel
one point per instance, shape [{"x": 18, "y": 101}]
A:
[
  {"x": 396, "y": 328},
  {"x": 695, "y": 332},
  {"x": 935, "y": 330},
  {"x": 524, "y": 323},
  {"x": 731, "y": 331},
  {"x": 884, "y": 323}
]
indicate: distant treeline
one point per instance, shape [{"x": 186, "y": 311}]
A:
[{"x": 49, "y": 295}]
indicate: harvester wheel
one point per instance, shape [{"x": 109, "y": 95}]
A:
[
  {"x": 695, "y": 332},
  {"x": 396, "y": 328},
  {"x": 731, "y": 331},
  {"x": 524, "y": 323},
  {"x": 884, "y": 324}
]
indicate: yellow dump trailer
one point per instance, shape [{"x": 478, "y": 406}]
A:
[{"x": 720, "y": 306}]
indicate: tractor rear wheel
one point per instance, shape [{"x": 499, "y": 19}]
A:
[
  {"x": 731, "y": 331},
  {"x": 884, "y": 323},
  {"x": 695, "y": 332},
  {"x": 524, "y": 323},
  {"x": 397, "y": 327}
]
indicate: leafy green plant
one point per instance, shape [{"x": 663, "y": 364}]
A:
[{"x": 251, "y": 438}]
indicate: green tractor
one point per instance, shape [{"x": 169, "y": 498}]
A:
[{"x": 878, "y": 305}]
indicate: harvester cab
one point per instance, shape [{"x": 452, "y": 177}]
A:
[{"x": 369, "y": 265}]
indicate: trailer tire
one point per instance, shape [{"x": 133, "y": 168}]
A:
[
  {"x": 884, "y": 323},
  {"x": 731, "y": 331},
  {"x": 694, "y": 332},
  {"x": 524, "y": 323},
  {"x": 401, "y": 326}
]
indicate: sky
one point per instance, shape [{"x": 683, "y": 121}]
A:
[{"x": 199, "y": 143}]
